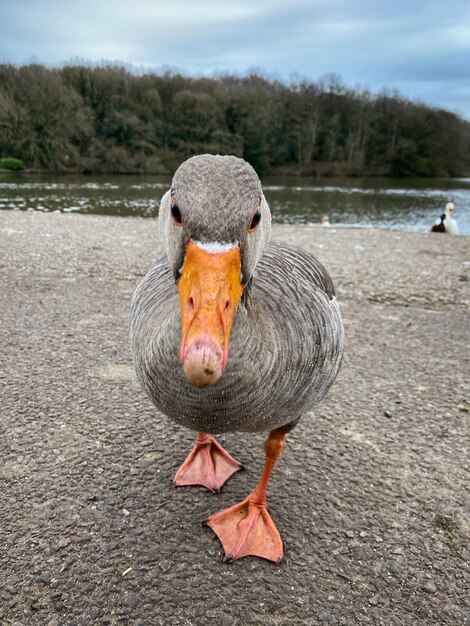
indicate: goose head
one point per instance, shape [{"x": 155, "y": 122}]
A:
[
  {"x": 215, "y": 223},
  {"x": 450, "y": 209}
]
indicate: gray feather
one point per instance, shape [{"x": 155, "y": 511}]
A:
[{"x": 285, "y": 348}]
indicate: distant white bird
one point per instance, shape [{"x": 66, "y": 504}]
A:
[
  {"x": 450, "y": 223},
  {"x": 325, "y": 221}
]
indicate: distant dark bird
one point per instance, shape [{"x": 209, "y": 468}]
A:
[
  {"x": 232, "y": 333},
  {"x": 439, "y": 227}
]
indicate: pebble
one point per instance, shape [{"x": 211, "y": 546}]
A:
[
  {"x": 94, "y": 612},
  {"x": 395, "y": 567},
  {"x": 272, "y": 580},
  {"x": 45, "y": 579},
  {"x": 380, "y": 584},
  {"x": 132, "y": 601},
  {"x": 374, "y": 600},
  {"x": 387, "y": 413},
  {"x": 430, "y": 587},
  {"x": 359, "y": 553},
  {"x": 323, "y": 616}
]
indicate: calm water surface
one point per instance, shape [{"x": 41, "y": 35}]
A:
[{"x": 403, "y": 204}]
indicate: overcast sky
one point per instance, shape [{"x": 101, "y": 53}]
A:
[{"x": 421, "y": 48}]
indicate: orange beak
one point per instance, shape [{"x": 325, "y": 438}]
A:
[{"x": 209, "y": 291}]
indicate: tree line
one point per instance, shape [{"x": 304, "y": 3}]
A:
[{"x": 107, "y": 119}]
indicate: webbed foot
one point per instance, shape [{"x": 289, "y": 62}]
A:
[
  {"x": 247, "y": 529},
  {"x": 208, "y": 465}
]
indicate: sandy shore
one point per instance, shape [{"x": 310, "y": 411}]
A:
[{"x": 369, "y": 495}]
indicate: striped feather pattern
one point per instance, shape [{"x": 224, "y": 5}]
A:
[{"x": 285, "y": 348}]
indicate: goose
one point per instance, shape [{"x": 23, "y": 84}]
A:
[
  {"x": 232, "y": 332},
  {"x": 446, "y": 223}
]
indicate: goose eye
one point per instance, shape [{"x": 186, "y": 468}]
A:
[
  {"x": 255, "y": 220},
  {"x": 176, "y": 213}
]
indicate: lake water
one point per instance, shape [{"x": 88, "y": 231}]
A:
[{"x": 403, "y": 204}]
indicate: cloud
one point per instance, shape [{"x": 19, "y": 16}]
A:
[{"x": 412, "y": 45}]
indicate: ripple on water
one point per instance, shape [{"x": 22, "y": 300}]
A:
[{"x": 403, "y": 205}]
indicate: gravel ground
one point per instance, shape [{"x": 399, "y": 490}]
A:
[{"x": 370, "y": 495}]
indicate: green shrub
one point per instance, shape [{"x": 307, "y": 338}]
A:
[{"x": 15, "y": 165}]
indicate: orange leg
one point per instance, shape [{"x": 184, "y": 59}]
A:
[
  {"x": 208, "y": 464},
  {"x": 247, "y": 528}
]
